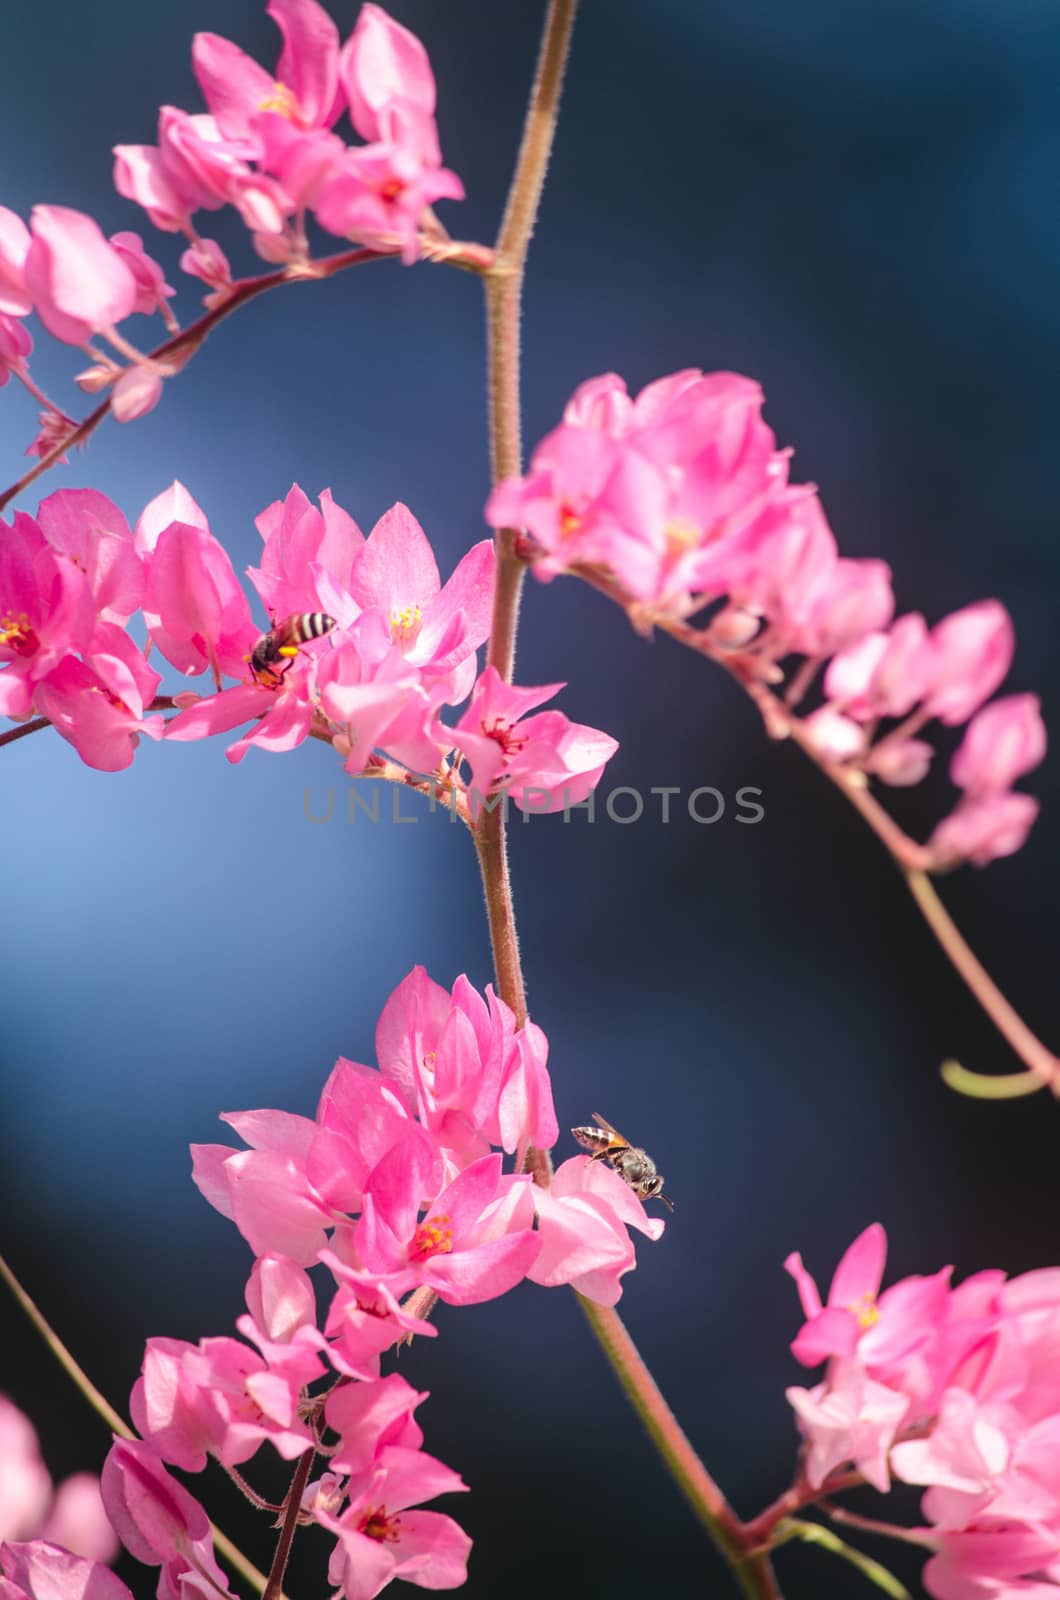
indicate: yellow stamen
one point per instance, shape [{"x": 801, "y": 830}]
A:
[
  {"x": 681, "y": 535},
  {"x": 282, "y": 100},
  {"x": 866, "y": 1310},
  {"x": 405, "y": 624},
  {"x": 433, "y": 1237}
]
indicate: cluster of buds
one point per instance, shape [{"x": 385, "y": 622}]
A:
[
  {"x": 955, "y": 1389},
  {"x": 680, "y": 501}
]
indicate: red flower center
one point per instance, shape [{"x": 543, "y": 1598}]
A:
[
  {"x": 379, "y": 1524},
  {"x": 17, "y": 634},
  {"x": 502, "y": 732}
]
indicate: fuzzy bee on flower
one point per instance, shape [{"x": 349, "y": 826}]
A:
[
  {"x": 271, "y": 657},
  {"x": 633, "y": 1165}
]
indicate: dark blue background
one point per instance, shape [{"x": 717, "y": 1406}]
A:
[{"x": 858, "y": 208}]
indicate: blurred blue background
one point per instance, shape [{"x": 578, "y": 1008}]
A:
[{"x": 859, "y": 208}]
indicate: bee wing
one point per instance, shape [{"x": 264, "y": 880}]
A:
[{"x": 602, "y": 1122}]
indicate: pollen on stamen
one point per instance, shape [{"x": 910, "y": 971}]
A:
[
  {"x": 433, "y": 1237},
  {"x": 282, "y": 100},
  {"x": 405, "y": 624},
  {"x": 681, "y": 535},
  {"x": 569, "y": 522},
  {"x": 16, "y": 633},
  {"x": 866, "y": 1310}
]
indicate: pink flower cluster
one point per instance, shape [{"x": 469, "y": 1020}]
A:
[
  {"x": 32, "y": 1507},
  {"x": 402, "y": 645},
  {"x": 396, "y": 1192},
  {"x": 680, "y": 500},
  {"x": 266, "y": 147},
  {"x": 955, "y": 1389},
  {"x": 69, "y": 582}
]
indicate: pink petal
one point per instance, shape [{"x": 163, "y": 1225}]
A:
[{"x": 860, "y": 1270}]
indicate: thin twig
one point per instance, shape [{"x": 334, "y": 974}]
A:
[{"x": 115, "y": 1422}]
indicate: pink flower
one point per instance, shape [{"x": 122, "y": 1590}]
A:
[
  {"x": 832, "y": 735},
  {"x": 265, "y": 1190},
  {"x": 386, "y": 73},
  {"x": 206, "y": 260},
  {"x": 305, "y": 89},
  {"x": 152, "y": 290},
  {"x": 71, "y": 1515},
  {"x": 196, "y": 610},
  {"x": 435, "y": 628},
  {"x": 379, "y": 1451},
  {"x": 135, "y": 393},
  {"x": 380, "y": 1539},
  {"x": 40, "y": 1571},
  {"x": 15, "y": 299},
  {"x": 25, "y": 1483},
  {"x": 371, "y": 1417},
  {"x": 141, "y": 175},
  {"x": 79, "y": 283},
  {"x": 901, "y": 764},
  {"x": 219, "y": 1397},
  {"x": 160, "y": 1523},
  {"x": 973, "y": 652},
  {"x": 472, "y": 1077},
  {"x": 16, "y": 344},
  {"x": 545, "y": 762},
  {"x": 46, "y": 612},
  {"x": 365, "y": 1319},
  {"x": 884, "y": 1331},
  {"x": 857, "y": 599},
  {"x": 984, "y": 828},
  {"x": 475, "y": 1242},
  {"x": 374, "y": 697},
  {"x": 1001, "y": 743},
  {"x": 98, "y": 704},
  {"x": 849, "y": 1419},
  {"x": 300, "y": 543},
  {"x": 88, "y": 528},
  {"x": 883, "y": 674},
  {"x": 380, "y": 193},
  {"x": 583, "y": 1221}
]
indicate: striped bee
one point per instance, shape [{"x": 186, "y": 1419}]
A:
[
  {"x": 632, "y": 1164},
  {"x": 275, "y": 650}
]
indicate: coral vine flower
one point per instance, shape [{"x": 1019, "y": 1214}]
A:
[
  {"x": 219, "y": 1397},
  {"x": 583, "y": 1221},
  {"x": 46, "y": 612},
  {"x": 475, "y": 1242},
  {"x": 381, "y": 1539},
  {"x": 305, "y": 89},
  {"x": 79, "y": 283},
  {"x": 40, "y": 1571},
  {"x": 71, "y": 1515},
  {"x": 160, "y": 1523},
  {"x": 545, "y": 762}
]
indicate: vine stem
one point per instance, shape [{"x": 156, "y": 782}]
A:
[
  {"x": 292, "y": 1511},
  {"x": 751, "y": 1568},
  {"x": 114, "y": 1420},
  {"x": 183, "y": 345},
  {"x": 503, "y": 285}
]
